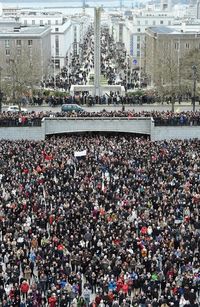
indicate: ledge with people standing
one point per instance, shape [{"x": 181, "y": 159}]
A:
[{"x": 29, "y": 119}]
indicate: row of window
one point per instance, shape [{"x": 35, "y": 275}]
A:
[
  {"x": 176, "y": 46},
  {"x": 187, "y": 46},
  {"x": 42, "y": 22},
  {"x": 9, "y": 61},
  {"x": 57, "y": 45},
  {"x": 158, "y": 15},
  {"x": 18, "y": 43},
  {"x": 19, "y": 52},
  {"x": 153, "y": 23}
]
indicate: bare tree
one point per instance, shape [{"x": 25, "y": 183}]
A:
[
  {"x": 187, "y": 62},
  {"x": 166, "y": 72},
  {"x": 22, "y": 73},
  {"x": 169, "y": 65},
  {"x": 172, "y": 70}
]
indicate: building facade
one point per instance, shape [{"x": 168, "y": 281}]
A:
[
  {"x": 141, "y": 21},
  {"x": 29, "y": 43},
  {"x": 165, "y": 49},
  {"x": 130, "y": 30},
  {"x": 60, "y": 32},
  {"x": 67, "y": 32}
]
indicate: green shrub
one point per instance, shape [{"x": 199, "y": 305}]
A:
[
  {"x": 46, "y": 93},
  {"x": 137, "y": 93}
]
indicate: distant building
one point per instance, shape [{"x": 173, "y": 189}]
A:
[
  {"x": 130, "y": 30},
  {"x": 9, "y": 11},
  {"x": 79, "y": 27},
  {"x": 60, "y": 31},
  {"x": 66, "y": 32},
  {"x": 193, "y": 10},
  {"x": 198, "y": 10},
  {"x": 14, "y": 39},
  {"x": 167, "y": 42}
]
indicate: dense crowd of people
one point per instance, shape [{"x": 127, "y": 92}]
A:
[
  {"x": 78, "y": 66},
  {"x": 54, "y": 99},
  {"x": 161, "y": 118},
  {"x": 86, "y": 99},
  {"x": 79, "y": 69},
  {"x": 21, "y": 119},
  {"x": 99, "y": 221}
]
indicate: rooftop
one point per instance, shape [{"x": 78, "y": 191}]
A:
[
  {"x": 162, "y": 30},
  {"x": 11, "y": 23},
  {"x": 41, "y": 13},
  {"x": 22, "y": 30},
  {"x": 174, "y": 30}
]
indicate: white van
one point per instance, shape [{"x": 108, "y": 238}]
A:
[{"x": 16, "y": 109}]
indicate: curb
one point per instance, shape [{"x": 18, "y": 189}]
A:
[{"x": 112, "y": 105}]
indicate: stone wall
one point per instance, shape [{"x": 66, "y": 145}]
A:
[{"x": 146, "y": 126}]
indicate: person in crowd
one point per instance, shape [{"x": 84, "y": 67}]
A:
[{"x": 118, "y": 227}]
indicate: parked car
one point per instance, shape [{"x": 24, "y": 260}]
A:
[
  {"x": 16, "y": 109},
  {"x": 71, "y": 108}
]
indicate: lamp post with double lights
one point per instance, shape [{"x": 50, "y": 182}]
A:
[
  {"x": 194, "y": 68},
  {"x": 1, "y": 93}
]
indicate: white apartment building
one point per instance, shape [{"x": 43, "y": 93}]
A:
[
  {"x": 60, "y": 31},
  {"x": 79, "y": 27},
  {"x": 66, "y": 32},
  {"x": 135, "y": 29}
]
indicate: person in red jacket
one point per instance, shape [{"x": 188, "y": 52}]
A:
[
  {"x": 24, "y": 288},
  {"x": 125, "y": 289},
  {"x": 52, "y": 300},
  {"x": 119, "y": 284}
]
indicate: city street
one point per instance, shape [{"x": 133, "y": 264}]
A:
[{"x": 157, "y": 107}]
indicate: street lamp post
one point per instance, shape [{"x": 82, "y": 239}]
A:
[
  {"x": 1, "y": 93},
  {"x": 194, "y": 68}
]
